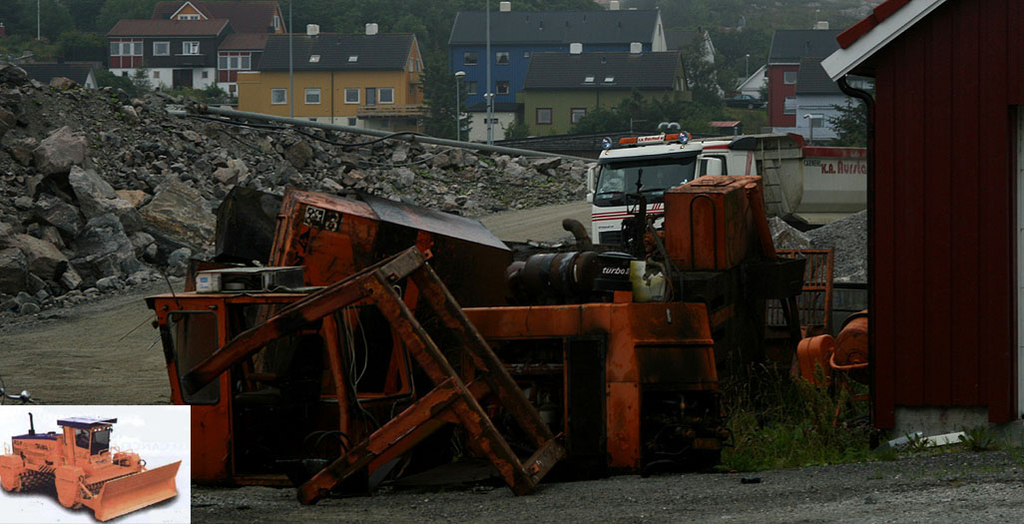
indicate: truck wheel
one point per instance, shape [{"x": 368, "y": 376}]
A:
[{"x": 67, "y": 480}]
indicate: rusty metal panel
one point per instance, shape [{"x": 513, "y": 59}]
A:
[
  {"x": 709, "y": 224},
  {"x": 815, "y": 302},
  {"x": 335, "y": 237}
]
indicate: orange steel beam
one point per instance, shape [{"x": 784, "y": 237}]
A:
[
  {"x": 492, "y": 370},
  {"x": 296, "y": 316}
]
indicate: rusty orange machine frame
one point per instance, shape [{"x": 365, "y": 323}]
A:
[{"x": 454, "y": 399}]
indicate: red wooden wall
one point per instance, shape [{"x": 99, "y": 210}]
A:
[
  {"x": 778, "y": 90},
  {"x": 944, "y": 211}
]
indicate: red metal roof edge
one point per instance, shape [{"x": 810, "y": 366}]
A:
[{"x": 878, "y": 14}]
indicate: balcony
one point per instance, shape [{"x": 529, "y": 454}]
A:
[{"x": 390, "y": 110}]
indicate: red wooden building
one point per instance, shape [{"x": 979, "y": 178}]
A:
[{"x": 946, "y": 213}]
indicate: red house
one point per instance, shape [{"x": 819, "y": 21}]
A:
[
  {"x": 946, "y": 212},
  {"x": 788, "y": 47}
]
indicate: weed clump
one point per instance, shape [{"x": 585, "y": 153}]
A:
[{"x": 778, "y": 421}]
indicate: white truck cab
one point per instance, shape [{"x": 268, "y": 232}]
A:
[{"x": 663, "y": 161}]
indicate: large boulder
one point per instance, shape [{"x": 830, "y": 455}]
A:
[
  {"x": 298, "y": 154},
  {"x": 236, "y": 171},
  {"x": 13, "y": 271},
  {"x": 96, "y": 197},
  {"x": 12, "y": 75},
  {"x": 7, "y": 121},
  {"x": 177, "y": 217},
  {"x": 43, "y": 258},
  {"x": 21, "y": 149},
  {"x": 57, "y": 213},
  {"x": 61, "y": 150},
  {"x": 103, "y": 249}
]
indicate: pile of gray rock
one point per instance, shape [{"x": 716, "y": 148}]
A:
[
  {"x": 847, "y": 237},
  {"x": 99, "y": 191}
]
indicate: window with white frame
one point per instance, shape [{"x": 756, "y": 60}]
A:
[
  {"x": 351, "y": 95},
  {"x": 790, "y": 106},
  {"x": 222, "y": 62},
  {"x": 245, "y": 62},
  {"x": 501, "y": 88},
  {"x": 386, "y": 95},
  {"x": 206, "y": 74},
  {"x": 233, "y": 62},
  {"x": 128, "y": 48},
  {"x": 352, "y": 122},
  {"x": 817, "y": 120},
  {"x": 471, "y": 87},
  {"x": 189, "y": 17},
  {"x": 469, "y": 58},
  {"x": 277, "y": 22},
  {"x": 543, "y": 115},
  {"x": 501, "y": 58},
  {"x": 161, "y": 48},
  {"x": 278, "y": 96},
  {"x": 312, "y": 95},
  {"x": 789, "y": 77},
  {"x": 577, "y": 113},
  {"x": 190, "y": 48},
  {"x": 156, "y": 75}
]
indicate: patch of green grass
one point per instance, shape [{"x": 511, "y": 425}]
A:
[
  {"x": 979, "y": 439},
  {"x": 794, "y": 424}
]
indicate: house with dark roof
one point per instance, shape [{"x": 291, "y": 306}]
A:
[
  {"x": 81, "y": 73},
  {"x": 369, "y": 80},
  {"x": 788, "y": 47},
  {"x": 562, "y": 88},
  {"x": 814, "y": 102},
  {"x": 194, "y": 44},
  {"x": 517, "y": 35}
]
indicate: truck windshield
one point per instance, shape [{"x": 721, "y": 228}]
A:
[{"x": 618, "y": 178}]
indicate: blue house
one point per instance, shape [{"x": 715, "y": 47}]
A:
[{"x": 516, "y": 35}]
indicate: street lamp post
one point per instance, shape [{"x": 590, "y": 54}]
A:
[
  {"x": 459, "y": 75},
  {"x": 746, "y": 68},
  {"x": 489, "y": 95},
  {"x": 291, "y": 65},
  {"x": 810, "y": 121}
]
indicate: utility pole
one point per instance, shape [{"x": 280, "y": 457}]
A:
[
  {"x": 458, "y": 111},
  {"x": 489, "y": 95},
  {"x": 38, "y": 33},
  {"x": 291, "y": 66}
]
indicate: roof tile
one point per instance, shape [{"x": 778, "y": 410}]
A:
[{"x": 628, "y": 70}]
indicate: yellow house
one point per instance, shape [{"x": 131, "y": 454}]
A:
[{"x": 366, "y": 80}]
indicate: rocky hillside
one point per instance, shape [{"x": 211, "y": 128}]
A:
[{"x": 99, "y": 191}]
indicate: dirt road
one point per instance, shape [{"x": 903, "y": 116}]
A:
[
  {"x": 975, "y": 487},
  {"x": 541, "y": 223},
  {"x": 78, "y": 356}
]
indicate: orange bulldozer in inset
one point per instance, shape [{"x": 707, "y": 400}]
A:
[{"x": 79, "y": 463}]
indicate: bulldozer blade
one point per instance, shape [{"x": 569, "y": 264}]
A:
[{"x": 133, "y": 492}]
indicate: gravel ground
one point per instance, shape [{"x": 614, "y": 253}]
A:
[
  {"x": 849, "y": 238},
  {"x": 950, "y": 487}
]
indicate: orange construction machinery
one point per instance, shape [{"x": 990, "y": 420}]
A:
[
  {"x": 80, "y": 464},
  {"x": 348, "y": 359}
]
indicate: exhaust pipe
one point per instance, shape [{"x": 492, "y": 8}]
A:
[{"x": 31, "y": 425}]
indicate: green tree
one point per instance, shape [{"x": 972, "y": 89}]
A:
[
  {"x": 851, "y": 124},
  {"x": 439, "y": 96},
  {"x": 79, "y": 46},
  {"x": 517, "y": 129},
  {"x": 54, "y": 19},
  {"x": 114, "y": 10},
  {"x": 642, "y": 114}
]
